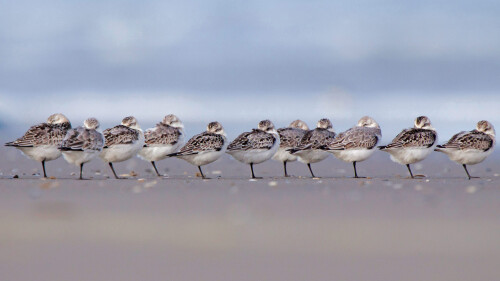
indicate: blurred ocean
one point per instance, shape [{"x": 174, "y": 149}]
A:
[{"x": 239, "y": 63}]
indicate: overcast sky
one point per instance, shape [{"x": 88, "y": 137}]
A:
[{"x": 348, "y": 51}]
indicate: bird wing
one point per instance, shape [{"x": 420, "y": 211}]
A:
[
  {"x": 255, "y": 139},
  {"x": 81, "y": 139},
  {"x": 357, "y": 137},
  {"x": 201, "y": 143},
  {"x": 414, "y": 137},
  {"x": 120, "y": 135},
  {"x": 290, "y": 137},
  {"x": 470, "y": 140},
  {"x": 315, "y": 139},
  {"x": 162, "y": 134},
  {"x": 42, "y": 134}
]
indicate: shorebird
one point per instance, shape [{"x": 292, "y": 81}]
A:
[
  {"x": 82, "y": 144},
  {"x": 256, "y": 146},
  {"x": 122, "y": 142},
  {"x": 289, "y": 138},
  {"x": 470, "y": 148},
  {"x": 165, "y": 138},
  {"x": 204, "y": 148},
  {"x": 309, "y": 149},
  {"x": 356, "y": 144},
  {"x": 41, "y": 141},
  {"x": 414, "y": 144}
]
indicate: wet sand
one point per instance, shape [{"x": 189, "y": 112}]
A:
[{"x": 443, "y": 227}]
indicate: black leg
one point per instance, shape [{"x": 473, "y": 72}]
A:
[
  {"x": 470, "y": 177},
  {"x": 284, "y": 167},
  {"x": 310, "y": 170},
  {"x": 112, "y": 169},
  {"x": 411, "y": 174},
  {"x": 43, "y": 167},
  {"x": 81, "y": 171},
  {"x": 156, "y": 170},
  {"x": 202, "y": 175},
  {"x": 355, "y": 171},
  {"x": 251, "y": 168}
]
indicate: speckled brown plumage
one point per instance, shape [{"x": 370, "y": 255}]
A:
[
  {"x": 470, "y": 140},
  {"x": 81, "y": 139},
  {"x": 414, "y": 137},
  {"x": 256, "y": 139},
  {"x": 162, "y": 134},
  {"x": 315, "y": 139},
  {"x": 290, "y": 137},
  {"x": 356, "y": 137},
  {"x": 120, "y": 135},
  {"x": 42, "y": 134},
  {"x": 205, "y": 141}
]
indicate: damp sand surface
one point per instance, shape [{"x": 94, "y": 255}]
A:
[{"x": 180, "y": 227}]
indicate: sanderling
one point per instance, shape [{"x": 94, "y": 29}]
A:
[
  {"x": 289, "y": 138},
  {"x": 204, "y": 148},
  {"x": 41, "y": 141},
  {"x": 358, "y": 143},
  {"x": 82, "y": 144},
  {"x": 414, "y": 144},
  {"x": 165, "y": 138},
  {"x": 309, "y": 149},
  {"x": 122, "y": 142},
  {"x": 256, "y": 146},
  {"x": 469, "y": 148}
]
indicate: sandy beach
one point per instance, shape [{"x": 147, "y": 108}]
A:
[{"x": 386, "y": 227}]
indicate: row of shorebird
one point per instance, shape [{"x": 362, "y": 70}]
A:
[{"x": 47, "y": 141}]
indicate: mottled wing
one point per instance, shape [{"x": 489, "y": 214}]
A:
[
  {"x": 414, "y": 137},
  {"x": 82, "y": 139},
  {"x": 120, "y": 135},
  {"x": 162, "y": 134},
  {"x": 200, "y": 143},
  {"x": 316, "y": 139},
  {"x": 357, "y": 137},
  {"x": 42, "y": 134},
  {"x": 255, "y": 139},
  {"x": 73, "y": 140},
  {"x": 290, "y": 137},
  {"x": 470, "y": 140}
]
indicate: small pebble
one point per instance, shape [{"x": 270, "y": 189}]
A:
[
  {"x": 272, "y": 183},
  {"x": 216, "y": 172},
  {"x": 471, "y": 189},
  {"x": 150, "y": 184}
]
